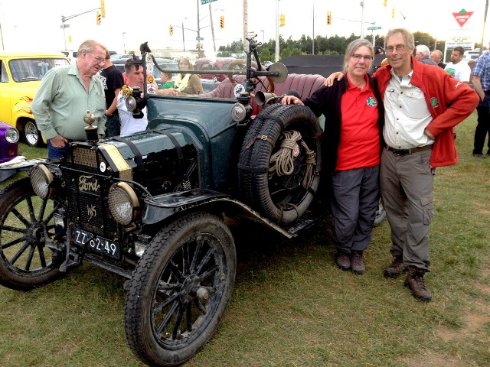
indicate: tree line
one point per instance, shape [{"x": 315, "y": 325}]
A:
[{"x": 334, "y": 45}]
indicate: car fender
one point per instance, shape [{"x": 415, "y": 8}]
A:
[
  {"x": 162, "y": 207},
  {"x": 18, "y": 164}
]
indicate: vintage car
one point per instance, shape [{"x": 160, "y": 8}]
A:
[
  {"x": 20, "y": 76},
  {"x": 155, "y": 207},
  {"x": 9, "y": 150}
]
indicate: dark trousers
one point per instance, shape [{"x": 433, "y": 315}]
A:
[
  {"x": 483, "y": 126},
  {"x": 113, "y": 125},
  {"x": 354, "y": 205}
]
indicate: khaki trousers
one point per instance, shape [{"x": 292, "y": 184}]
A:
[{"x": 406, "y": 184}]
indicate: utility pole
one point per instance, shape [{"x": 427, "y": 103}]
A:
[
  {"x": 484, "y": 25},
  {"x": 1, "y": 37},
  {"x": 183, "y": 35},
  {"x": 245, "y": 24},
  {"x": 198, "y": 32},
  {"x": 313, "y": 32},
  {"x": 362, "y": 19},
  {"x": 277, "y": 56},
  {"x": 212, "y": 27}
]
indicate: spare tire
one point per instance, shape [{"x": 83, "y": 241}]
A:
[{"x": 281, "y": 198}]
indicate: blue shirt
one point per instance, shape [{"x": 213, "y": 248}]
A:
[{"x": 482, "y": 69}]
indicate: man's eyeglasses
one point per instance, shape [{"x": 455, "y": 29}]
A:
[
  {"x": 99, "y": 59},
  {"x": 359, "y": 57},
  {"x": 397, "y": 48}
]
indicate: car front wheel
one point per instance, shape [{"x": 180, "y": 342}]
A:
[
  {"x": 26, "y": 229},
  {"x": 179, "y": 290}
]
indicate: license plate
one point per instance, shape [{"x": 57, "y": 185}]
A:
[{"x": 97, "y": 244}]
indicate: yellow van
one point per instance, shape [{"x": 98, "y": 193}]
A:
[{"x": 20, "y": 77}]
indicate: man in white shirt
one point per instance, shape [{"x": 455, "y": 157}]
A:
[
  {"x": 135, "y": 78},
  {"x": 457, "y": 67}
]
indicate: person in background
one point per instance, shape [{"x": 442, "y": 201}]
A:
[
  {"x": 188, "y": 83},
  {"x": 135, "y": 79},
  {"x": 436, "y": 56},
  {"x": 458, "y": 68},
  {"x": 167, "y": 81},
  {"x": 352, "y": 149},
  {"x": 422, "y": 54},
  {"x": 66, "y": 94},
  {"x": 480, "y": 79},
  {"x": 471, "y": 64},
  {"x": 112, "y": 80}
]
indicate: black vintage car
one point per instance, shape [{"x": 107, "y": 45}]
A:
[{"x": 153, "y": 207}]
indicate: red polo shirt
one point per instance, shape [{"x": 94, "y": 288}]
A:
[{"x": 359, "y": 135}]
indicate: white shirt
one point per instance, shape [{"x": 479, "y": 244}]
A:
[
  {"x": 129, "y": 124},
  {"x": 460, "y": 71},
  {"x": 406, "y": 114}
]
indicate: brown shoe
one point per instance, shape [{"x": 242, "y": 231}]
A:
[
  {"x": 415, "y": 281},
  {"x": 395, "y": 269},
  {"x": 357, "y": 263},
  {"x": 342, "y": 260}
]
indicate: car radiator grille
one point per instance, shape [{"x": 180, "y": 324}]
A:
[{"x": 87, "y": 192}]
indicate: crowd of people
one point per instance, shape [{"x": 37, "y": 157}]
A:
[{"x": 384, "y": 134}]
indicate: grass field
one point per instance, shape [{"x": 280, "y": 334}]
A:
[{"x": 291, "y": 305}]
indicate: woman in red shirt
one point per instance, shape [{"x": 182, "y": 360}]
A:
[{"x": 351, "y": 149}]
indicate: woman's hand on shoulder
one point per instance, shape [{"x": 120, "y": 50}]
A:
[{"x": 338, "y": 75}]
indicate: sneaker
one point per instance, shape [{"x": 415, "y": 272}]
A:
[
  {"x": 343, "y": 260},
  {"x": 395, "y": 269},
  {"x": 415, "y": 281},
  {"x": 479, "y": 155},
  {"x": 357, "y": 263}
]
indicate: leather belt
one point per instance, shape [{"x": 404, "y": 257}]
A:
[{"x": 402, "y": 152}]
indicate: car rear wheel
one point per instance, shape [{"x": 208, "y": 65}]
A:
[
  {"x": 180, "y": 289},
  {"x": 26, "y": 228},
  {"x": 32, "y": 136}
]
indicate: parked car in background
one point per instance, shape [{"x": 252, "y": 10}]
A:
[
  {"x": 70, "y": 55},
  {"x": 9, "y": 138},
  {"x": 471, "y": 55},
  {"x": 20, "y": 77}
]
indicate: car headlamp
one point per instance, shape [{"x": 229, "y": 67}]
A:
[
  {"x": 12, "y": 135},
  {"x": 123, "y": 203},
  {"x": 135, "y": 102},
  {"x": 130, "y": 103},
  {"x": 41, "y": 181}
]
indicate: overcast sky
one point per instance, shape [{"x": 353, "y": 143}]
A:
[{"x": 33, "y": 25}]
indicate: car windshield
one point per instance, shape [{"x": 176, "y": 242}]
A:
[{"x": 24, "y": 70}]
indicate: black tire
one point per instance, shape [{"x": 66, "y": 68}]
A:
[
  {"x": 26, "y": 227},
  {"x": 32, "y": 136},
  {"x": 281, "y": 199},
  {"x": 380, "y": 214},
  {"x": 179, "y": 290}
]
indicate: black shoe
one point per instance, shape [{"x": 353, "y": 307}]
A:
[
  {"x": 342, "y": 259},
  {"x": 395, "y": 268},
  {"x": 357, "y": 263},
  {"x": 415, "y": 281},
  {"x": 479, "y": 155}
]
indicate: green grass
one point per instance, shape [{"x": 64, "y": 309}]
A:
[{"x": 291, "y": 305}]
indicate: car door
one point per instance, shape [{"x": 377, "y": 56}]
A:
[{"x": 5, "y": 99}]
